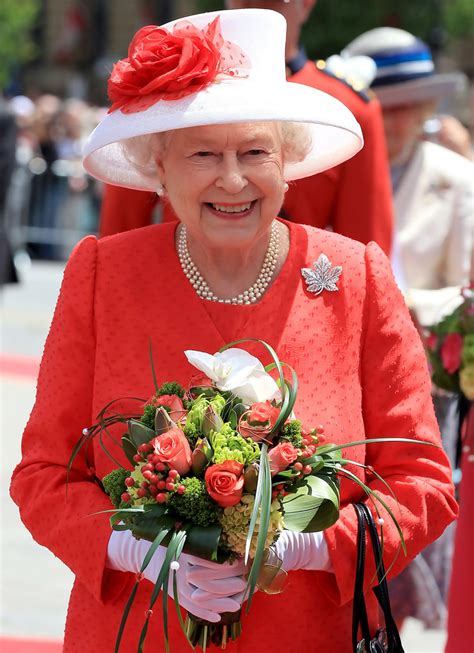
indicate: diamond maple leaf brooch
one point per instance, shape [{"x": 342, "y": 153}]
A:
[{"x": 322, "y": 276}]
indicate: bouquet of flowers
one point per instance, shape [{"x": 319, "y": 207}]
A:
[
  {"x": 450, "y": 347},
  {"x": 219, "y": 470}
]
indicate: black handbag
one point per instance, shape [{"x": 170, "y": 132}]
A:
[{"x": 387, "y": 639}]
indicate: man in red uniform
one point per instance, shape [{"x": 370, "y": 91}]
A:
[{"x": 353, "y": 199}]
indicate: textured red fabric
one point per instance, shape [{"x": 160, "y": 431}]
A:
[
  {"x": 362, "y": 373},
  {"x": 353, "y": 199}
]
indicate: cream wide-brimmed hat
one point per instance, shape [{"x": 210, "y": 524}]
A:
[
  {"x": 405, "y": 68},
  {"x": 213, "y": 68}
]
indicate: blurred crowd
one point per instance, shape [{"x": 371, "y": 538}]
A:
[{"x": 49, "y": 201}]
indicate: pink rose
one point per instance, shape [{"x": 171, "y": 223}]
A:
[
  {"x": 282, "y": 456},
  {"x": 225, "y": 482},
  {"x": 173, "y": 402},
  {"x": 173, "y": 449},
  {"x": 263, "y": 412},
  {"x": 451, "y": 351}
]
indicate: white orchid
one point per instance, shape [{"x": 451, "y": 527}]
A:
[{"x": 237, "y": 371}]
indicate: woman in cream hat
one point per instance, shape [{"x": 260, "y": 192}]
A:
[
  {"x": 433, "y": 189},
  {"x": 201, "y": 111}
]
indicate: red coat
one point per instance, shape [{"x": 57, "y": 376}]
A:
[
  {"x": 362, "y": 373},
  {"x": 353, "y": 199}
]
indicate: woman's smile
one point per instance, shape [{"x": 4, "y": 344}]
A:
[{"x": 231, "y": 211}]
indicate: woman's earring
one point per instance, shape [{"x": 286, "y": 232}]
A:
[
  {"x": 160, "y": 190},
  {"x": 285, "y": 187}
]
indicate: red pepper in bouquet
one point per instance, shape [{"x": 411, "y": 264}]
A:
[{"x": 219, "y": 471}]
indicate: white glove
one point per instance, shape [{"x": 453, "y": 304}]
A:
[
  {"x": 303, "y": 551},
  {"x": 206, "y": 589}
]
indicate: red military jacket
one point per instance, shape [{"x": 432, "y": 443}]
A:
[
  {"x": 362, "y": 373},
  {"x": 353, "y": 199}
]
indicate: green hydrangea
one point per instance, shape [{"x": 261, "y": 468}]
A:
[
  {"x": 138, "y": 478},
  {"x": 468, "y": 350},
  {"x": 195, "y": 415},
  {"x": 235, "y": 522},
  {"x": 195, "y": 504},
  {"x": 227, "y": 444}
]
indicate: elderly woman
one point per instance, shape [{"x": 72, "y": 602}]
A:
[{"x": 202, "y": 112}]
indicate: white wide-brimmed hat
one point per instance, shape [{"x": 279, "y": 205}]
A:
[
  {"x": 213, "y": 68},
  {"x": 405, "y": 67}
]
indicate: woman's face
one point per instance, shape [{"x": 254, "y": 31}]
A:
[
  {"x": 403, "y": 128},
  {"x": 225, "y": 182}
]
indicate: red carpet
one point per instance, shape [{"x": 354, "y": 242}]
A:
[
  {"x": 22, "y": 366},
  {"x": 18, "y": 645}
]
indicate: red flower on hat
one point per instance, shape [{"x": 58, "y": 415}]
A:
[{"x": 164, "y": 65}]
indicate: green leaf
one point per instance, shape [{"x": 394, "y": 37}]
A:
[
  {"x": 129, "y": 449},
  {"x": 163, "y": 421},
  {"x": 314, "y": 506},
  {"x": 139, "y": 433},
  {"x": 152, "y": 365},
  {"x": 203, "y": 542}
]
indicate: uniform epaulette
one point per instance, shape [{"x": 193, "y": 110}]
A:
[{"x": 359, "y": 87}]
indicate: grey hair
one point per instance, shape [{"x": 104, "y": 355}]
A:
[{"x": 142, "y": 152}]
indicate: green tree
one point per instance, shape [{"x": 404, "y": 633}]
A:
[
  {"x": 16, "y": 45},
  {"x": 332, "y": 25}
]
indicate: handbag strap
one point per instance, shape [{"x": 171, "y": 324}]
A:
[
  {"x": 359, "y": 610},
  {"x": 365, "y": 520}
]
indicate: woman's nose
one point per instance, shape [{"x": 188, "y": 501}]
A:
[{"x": 231, "y": 176}]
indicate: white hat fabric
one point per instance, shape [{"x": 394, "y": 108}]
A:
[
  {"x": 405, "y": 67},
  {"x": 258, "y": 91}
]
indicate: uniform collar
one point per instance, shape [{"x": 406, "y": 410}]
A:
[{"x": 294, "y": 65}]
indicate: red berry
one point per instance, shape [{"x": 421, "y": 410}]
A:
[
  {"x": 137, "y": 458},
  {"x": 144, "y": 484},
  {"x": 298, "y": 466},
  {"x": 161, "y": 485},
  {"x": 159, "y": 466},
  {"x": 161, "y": 497},
  {"x": 172, "y": 474},
  {"x": 320, "y": 428},
  {"x": 170, "y": 486},
  {"x": 147, "y": 474},
  {"x": 129, "y": 482},
  {"x": 143, "y": 448},
  {"x": 125, "y": 497},
  {"x": 153, "y": 490},
  {"x": 141, "y": 492},
  {"x": 181, "y": 489},
  {"x": 147, "y": 468},
  {"x": 307, "y": 469},
  {"x": 155, "y": 458},
  {"x": 153, "y": 478},
  {"x": 274, "y": 495}
]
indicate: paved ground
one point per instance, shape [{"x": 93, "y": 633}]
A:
[{"x": 34, "y": 584}]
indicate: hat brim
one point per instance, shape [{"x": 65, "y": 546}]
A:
[
  {"x": 422, "y": 89},
  {"x": 336, "y": 135}
]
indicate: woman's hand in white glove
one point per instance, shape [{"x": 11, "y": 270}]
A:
[
  {"x": 303, "y": 551},
  {"x": 206, "y": 589}
]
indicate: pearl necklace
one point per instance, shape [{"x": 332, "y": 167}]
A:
[{"x": 249, "y": 296}]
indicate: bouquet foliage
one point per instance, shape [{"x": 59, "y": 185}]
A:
[{"x": 450, "y": 347}]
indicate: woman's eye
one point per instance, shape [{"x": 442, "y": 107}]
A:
[
  {"x": 256, "y": 152},
  {"x": 203, "y": 154}
]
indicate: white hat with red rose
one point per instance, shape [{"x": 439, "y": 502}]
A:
[{"x": 214, "y": 68}]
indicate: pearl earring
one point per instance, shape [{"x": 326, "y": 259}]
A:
[
  {"x": 160, "y": 190},
  {"x": 285, "y": 187}
]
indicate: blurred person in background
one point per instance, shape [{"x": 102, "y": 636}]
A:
[
  {"x": 7, "y": 165},
  {"x": 325, "y": 200},
  {"x": 433, "y": 196}
]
